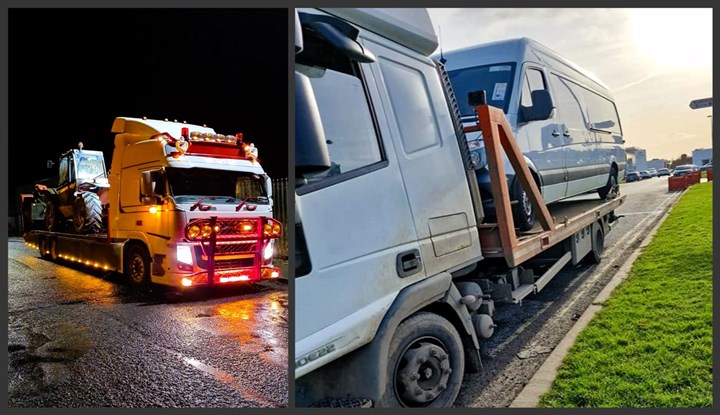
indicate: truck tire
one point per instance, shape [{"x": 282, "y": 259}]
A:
[
  {"x": 87, "y": 213},
  {"x": 598, "y": 245},
  {"x": 522, "y": 211},
  {"x": 53, "y": 218},
  {"x": 425, "y": 365},
  {"x": 611, "y": 186},
  {"x": 136, "y": 266},
  {"x": 43, "y": 248}
]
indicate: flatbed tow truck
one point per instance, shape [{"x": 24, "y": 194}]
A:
[
  {"x": 186, "y": 207},
  {"x": 394, "y": 315}
]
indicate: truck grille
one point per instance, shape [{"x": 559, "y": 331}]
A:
[
  {"x": 233, "y": 263},
  {"x": 231, "y": 247}
]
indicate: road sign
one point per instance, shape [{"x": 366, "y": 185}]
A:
[{"x": 701, "y": 103}]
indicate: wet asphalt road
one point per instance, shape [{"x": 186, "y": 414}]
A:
[
  {"x": 81, "y": 338},
  {"x": 527, "y": 333}
]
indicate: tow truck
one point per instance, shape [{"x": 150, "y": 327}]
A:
[
  {"x": 185, "y": 207},
  {"x": 398, "y": 271}
]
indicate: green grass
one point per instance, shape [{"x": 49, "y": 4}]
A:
[{"x": 651, "y": 344}]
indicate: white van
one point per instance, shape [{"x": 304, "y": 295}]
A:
[{"x": 564, "y": 119}]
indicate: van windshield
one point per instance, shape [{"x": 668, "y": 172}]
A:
[{"x": 496, "y": 80}]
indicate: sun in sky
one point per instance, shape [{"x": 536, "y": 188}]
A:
[{"x": 675, "y": 39}]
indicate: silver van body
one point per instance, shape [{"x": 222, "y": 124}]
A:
[{"x": 576, "y": 149}]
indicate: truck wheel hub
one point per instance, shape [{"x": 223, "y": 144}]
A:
[{"x": 425, "y": 373}]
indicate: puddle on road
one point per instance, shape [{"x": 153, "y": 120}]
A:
[
  {"x": 41, "y": 359},
  {"x": 258, "y": 324}
]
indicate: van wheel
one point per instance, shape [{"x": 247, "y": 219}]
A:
[
  {"x": 137, "y": 266},
  {"x": 611, "y": 189},
  {"x": 425, "y": 365},
  {"x": 523, "y": 212}
]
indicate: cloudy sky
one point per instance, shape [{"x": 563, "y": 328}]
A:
[{"x": 654, "y": 60}]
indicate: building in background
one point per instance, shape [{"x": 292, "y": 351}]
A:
[
  {"x": 701, "y": 156},
  {"x": 657, "y": 164},
  {"x": 636, "y": 158}
]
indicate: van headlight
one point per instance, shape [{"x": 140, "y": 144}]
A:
[
  {"x": 184, "y": 254},
  {"x": 268, "y": 251}
]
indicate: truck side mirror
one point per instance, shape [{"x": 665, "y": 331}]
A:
[
  {"x": 311, "y": 151},
  {"x": 339, "y": 34},
  {"x": 542, "y": 106},
  {"x": 50, "y": 164}
]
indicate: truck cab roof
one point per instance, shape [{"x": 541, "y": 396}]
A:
[
  {"x": 143, "y": 126},
  {"x": 409, "y": 27}
]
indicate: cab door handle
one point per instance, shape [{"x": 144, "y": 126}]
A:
[{"x": 408, "y": 263}]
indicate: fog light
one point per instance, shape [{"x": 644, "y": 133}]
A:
[{"x": 186, "y": 282}]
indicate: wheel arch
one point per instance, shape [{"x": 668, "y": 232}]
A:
[
  {"x": 363, "y": 372},
  {"x": 133, "y": 242}
]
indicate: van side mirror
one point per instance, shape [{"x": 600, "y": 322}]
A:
[
  {"x": 542, "y": 106},
  {"x": 311, "y": 151},
  {"x": 50, "y": 164},
  {"x": 477, "y": 98}
]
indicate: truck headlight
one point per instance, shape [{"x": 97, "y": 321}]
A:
[
  {"x": 268, "y": 251},
  {"x": 184, "y": 254}
]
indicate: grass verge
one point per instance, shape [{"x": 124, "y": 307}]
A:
[{"x": 651, "y": 344}]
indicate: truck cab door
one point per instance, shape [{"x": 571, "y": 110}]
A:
[
  {"x": 423, "y": 136},
  {"x": 357, "y": 232}
]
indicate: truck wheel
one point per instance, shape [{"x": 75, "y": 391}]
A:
[
  {"x": 137, "y": 266},
  {"x": 53, "y": 217},
  {"x": 598, "y": 245},
  {"x": 43, "y": 248},
  {"x": 53, "y": 250},
  {"x": 523, "y": 213},
  {"x": 426, "y": 363},
  {"x": 87, "y": 213},
  {"x": 611, "y": 188}
]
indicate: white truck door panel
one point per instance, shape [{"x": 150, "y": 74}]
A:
[
  {"x": 353, "y": 251},
  {"x": 355, "y": 230},
  {"x": 424, "y": 139}
]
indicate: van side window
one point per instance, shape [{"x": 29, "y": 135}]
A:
[
  {"x": 602, "y": 113},
  {"x": 344, "y": 107},
  {"x": 534, "y": 80},
  {"x": 569, "y": 103}
]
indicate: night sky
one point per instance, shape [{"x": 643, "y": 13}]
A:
[{"x": 72, "y": 71}]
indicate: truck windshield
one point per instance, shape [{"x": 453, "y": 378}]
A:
[
  {"x": 216, "y": 186},
  {"x": 496, "y": 80}
]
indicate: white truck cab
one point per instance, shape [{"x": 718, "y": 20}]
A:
[
  {"x": 384, "y": 211},
  {"x": 396, "y": 275}
]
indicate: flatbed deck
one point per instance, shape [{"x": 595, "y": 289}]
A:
[{"x": 569, "y": 217}]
